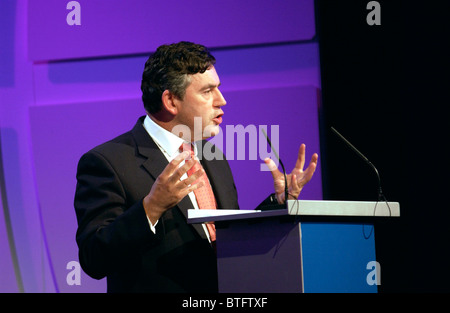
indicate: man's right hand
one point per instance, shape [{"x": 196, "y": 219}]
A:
[{"x": 168, "y": 190}]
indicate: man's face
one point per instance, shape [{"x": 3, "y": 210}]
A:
[{"x": 202, "y": 101}]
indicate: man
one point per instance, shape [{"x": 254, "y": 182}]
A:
[{"x": 134, "y": 191}]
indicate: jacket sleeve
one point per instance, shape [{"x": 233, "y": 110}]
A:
[{"x": 110, "y": 229}]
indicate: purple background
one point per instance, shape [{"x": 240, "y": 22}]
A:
[
  {"x": 65, "y": 89},
  {"x": 115, "y": 27}
]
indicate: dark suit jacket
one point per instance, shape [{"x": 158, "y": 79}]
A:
[{"x": 114, "y": 237}]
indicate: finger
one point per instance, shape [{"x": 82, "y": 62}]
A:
[
  {"x": 181, "y": 170},
  {"x": 295, "y": 188},
  {"x": 301, "y": 157},
  {"x": 192, "y": 187},
  {"x": 311, "y": 168},
  {"x": 313, "y": 162},
  {"x": 182, "y": 156},
  {"x": 173, "y": 165},
  {"x": 294, "y": 183},
  {"x": 192, "y": 178},
  {"x": 273, "y": 168}
]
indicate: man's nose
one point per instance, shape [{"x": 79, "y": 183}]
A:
[{"x": 220, "y": 100}]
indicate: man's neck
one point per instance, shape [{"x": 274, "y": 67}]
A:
[{"x": 173, "y": 126}]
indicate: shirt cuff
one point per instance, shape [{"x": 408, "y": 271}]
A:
[{"x": 152, "y": 227}]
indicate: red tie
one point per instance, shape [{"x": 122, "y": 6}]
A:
[{"x": 204, "y": 195}]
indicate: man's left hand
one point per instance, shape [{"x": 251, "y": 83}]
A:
[{"x": 296, "y": 180}]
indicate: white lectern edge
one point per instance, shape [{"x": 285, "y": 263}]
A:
[{"x": 304, "y": 208}]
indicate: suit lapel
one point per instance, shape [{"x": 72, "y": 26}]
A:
[{"x": 155, "y": 162}]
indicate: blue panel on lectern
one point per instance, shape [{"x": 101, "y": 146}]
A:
[{"x": 335, "y": 257}]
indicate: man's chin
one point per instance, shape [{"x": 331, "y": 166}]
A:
[{"x": 211, "y": 131}]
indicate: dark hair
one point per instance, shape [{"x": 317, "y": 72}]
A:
[{"x": 169, "y": 69}]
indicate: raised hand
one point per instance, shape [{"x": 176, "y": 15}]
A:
[
  {"x": 297, "y": 179},
  {"x": 168, "y": 190}
]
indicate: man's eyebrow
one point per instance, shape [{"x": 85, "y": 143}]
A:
[{"x": 208, "y": 86}]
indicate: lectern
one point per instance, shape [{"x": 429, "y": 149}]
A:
[{"x": 311, "y": 246}]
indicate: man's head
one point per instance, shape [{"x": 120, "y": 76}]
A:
[
  {"x": 180, "y": 87},
  {"x": 169, "y": 69}
]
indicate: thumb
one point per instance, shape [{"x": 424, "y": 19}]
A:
[{"x": 273, "y": 168}]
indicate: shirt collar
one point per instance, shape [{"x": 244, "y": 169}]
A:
[{"x": 167, "y": 141}]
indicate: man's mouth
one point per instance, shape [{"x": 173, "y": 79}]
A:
[{"x": 218, "y": 119}]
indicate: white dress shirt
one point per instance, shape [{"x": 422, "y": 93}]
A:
[{"x": 169, "y": 144}]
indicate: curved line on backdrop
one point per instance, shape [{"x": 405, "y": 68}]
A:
[
  {"x": 41, "y": 222},
  {"x": 8, "y": 224}
]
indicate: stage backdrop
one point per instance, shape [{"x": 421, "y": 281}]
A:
[{"x": 75, "y": 83}]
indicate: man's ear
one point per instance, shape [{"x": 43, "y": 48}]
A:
[{"x": 169, "y": 102}]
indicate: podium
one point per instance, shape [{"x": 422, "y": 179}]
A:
[{"x": 311, "y": 246}]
